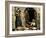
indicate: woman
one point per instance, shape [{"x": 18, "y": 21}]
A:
[{"x": 30, "y": 15}]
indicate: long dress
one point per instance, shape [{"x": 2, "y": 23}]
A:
[{"x": 18, "y": 21}]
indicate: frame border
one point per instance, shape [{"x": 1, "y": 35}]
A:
[{"x": 7, "y": 19}]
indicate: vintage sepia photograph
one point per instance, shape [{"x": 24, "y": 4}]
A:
[{"x": 25, "y": 18}]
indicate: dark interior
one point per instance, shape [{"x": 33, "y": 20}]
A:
[{"x": 31, "y": 13}]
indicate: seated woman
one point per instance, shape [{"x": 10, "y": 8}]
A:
[{"x": 30, "y": 15}]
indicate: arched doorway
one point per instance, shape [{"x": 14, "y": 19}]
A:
[{"x": 31, "y": 17}]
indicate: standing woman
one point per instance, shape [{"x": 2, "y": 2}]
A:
[{"x": 18, "y": 19}]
